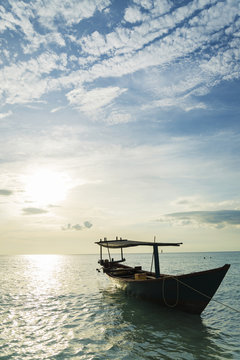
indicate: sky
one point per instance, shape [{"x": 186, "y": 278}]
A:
[{"x": 119, "y": 118}]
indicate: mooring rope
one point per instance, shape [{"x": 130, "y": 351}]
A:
[
  {"x": 209, "y": 297},
  {"x": 163, "y": 294}
]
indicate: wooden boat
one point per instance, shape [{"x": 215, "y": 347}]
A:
[{"x": 188, "y": 292}]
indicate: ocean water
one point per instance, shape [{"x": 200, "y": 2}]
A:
[{"x": 60, "y": 307}]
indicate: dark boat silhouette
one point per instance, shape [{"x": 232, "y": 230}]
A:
[{"x": 187, "y": 292}]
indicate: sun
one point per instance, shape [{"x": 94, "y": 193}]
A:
[{"x": 46, "y": 186}]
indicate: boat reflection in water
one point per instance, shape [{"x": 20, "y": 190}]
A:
[
  {"x": 187, "y": 292},
  {"x": 157, "y": 332}
]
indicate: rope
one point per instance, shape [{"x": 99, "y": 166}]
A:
[
  {"x": 163, "y": 294},
  {"x": 209, "y": 297}
]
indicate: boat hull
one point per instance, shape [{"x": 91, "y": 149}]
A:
[{"x": 190, "y": 293}]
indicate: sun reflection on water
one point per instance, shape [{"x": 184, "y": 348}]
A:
[
  {"x": 42, "y": 273},
  {"x": 58, "y": 307}
]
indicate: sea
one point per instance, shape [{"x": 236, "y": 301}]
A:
[{"x": 61, "y": 307}]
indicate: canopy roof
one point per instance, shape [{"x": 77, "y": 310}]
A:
[{"x": 123, "y": 243}]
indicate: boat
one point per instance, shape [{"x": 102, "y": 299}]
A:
[{"x": 185, "y": 292}]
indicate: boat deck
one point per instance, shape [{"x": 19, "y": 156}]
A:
[{"x": 126, "y": 272}]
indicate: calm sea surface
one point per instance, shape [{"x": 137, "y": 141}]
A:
[{"x": 60, "y": 307}]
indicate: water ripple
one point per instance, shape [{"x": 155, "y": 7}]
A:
[{"x": 85, "y": 317}]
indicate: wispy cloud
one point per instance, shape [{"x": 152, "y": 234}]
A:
[
  {"x": 217, "y": 219},
  {"x": 33, "y": 211},
  {"x": 93, "y": 100},
  {"x": 118, "y": 117},
  {"x": 57, "y": 109},
  {"x": 4, "y": 115},
  {"x": 5, "y": 192}
]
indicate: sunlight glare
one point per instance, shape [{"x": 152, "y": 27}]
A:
[
  {"x": 42, "y": 272},
  {"x": 46, "y": 186}
]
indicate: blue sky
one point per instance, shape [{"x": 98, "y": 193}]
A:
[{"x": 119, "y": 118}]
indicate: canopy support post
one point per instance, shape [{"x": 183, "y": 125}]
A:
[
  {"x": 122, "y": 253},
  {"x": 156, "y": 260}
]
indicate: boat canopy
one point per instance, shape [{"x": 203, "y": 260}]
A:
[{"x": 124, "y": 243}]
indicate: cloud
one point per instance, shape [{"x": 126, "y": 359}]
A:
[
  {"x": 217, "y": 219},
  {"x": 47, "y": 15},
  {"x": 133, "y": 15},
  {"x": 168, "y": 41},
  {"x": 93, "y": 100},
  {"x": 87, "y": 224},
  {"x": 27, "y": 81},
  {"x": 176, "y": 101},
  {"x": 39, "y": 40},
  {"x": 78, "y": 227},
  {"x": 71, "y": 12},
  {"x": 5, "y": 192},
  {"x": 147, "y": 4},
  {"x": 57, "y": 109},
  {"x": 33, "y": 211},
  {"x": 4, "y": 115},
  {"x": 199, "y": 40},
  {"x": 118, "y": 117}
]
